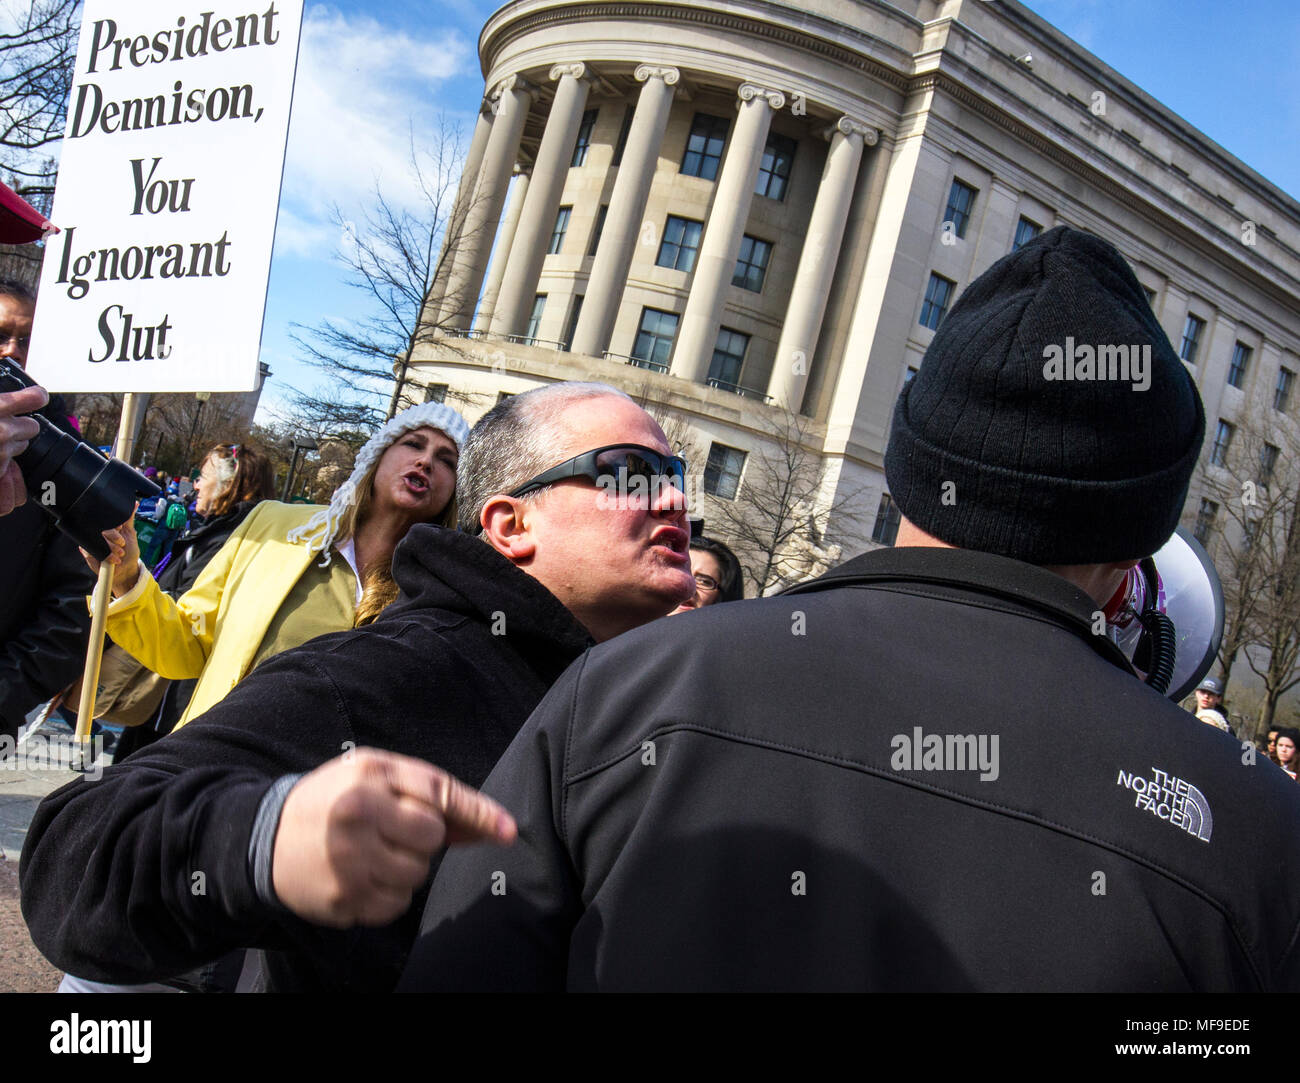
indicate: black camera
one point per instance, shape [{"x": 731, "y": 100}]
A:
[{"x": 84, "y": 492}]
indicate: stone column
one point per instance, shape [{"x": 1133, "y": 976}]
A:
[
  {"x": 720, "y": 246},
  {"x": 626, "y": 206},
  {"x": 510, "y": 102},
  {"x": 537, "y": 219},
  {"x": 817, "y": 261},
  {"x": 501, "y": 255},
  {"x": 456, "y": 219}
]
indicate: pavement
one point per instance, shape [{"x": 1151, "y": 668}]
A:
[{"x": 43, "y": 762}]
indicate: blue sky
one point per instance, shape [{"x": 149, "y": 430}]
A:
[{"x": 368, "y": 69}]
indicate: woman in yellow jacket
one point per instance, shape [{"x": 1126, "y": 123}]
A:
[{"x": 263, "y": 592}]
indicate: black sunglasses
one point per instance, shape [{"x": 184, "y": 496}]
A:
[{"x": 618, "y": 462}]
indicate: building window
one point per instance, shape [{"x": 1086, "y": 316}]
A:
[
  {"x": 654, "y": 338},
  {"x": 728, "y": 358},
  {"x": 961, "y": 200},
  {"x": 774, "y": 170},
  {"x": 561, "y": 228},
  {"x": 704, "y": 146},
  {"x": 1267, "y": 460},
  {"x": 1240, "y": 362},
  {"x": 723, "y": 470},
  {"x": 599, "y": 228},
  {"x": 938, "y": 295},
  {"x": 887, "y": 519},
  {"x": 572, "y": 325},
  {"x": 1222, "y": 439},
  {"x": 1282, "y": 393},
  {"x": 1026, "y": 231},
  {"x": 534, "y": 318},
  {"x": 436, "y": 393},
  {"x": 751, "y": 266},
  {"x": 1205, "y": 518},
  {"x": 1192, "y": 330},
  {"x": 583, "y": 144},
  {"x": 624, "y": 128},
  {"x": 681, "y": 243},
  {"x": 907, "y": 377}
]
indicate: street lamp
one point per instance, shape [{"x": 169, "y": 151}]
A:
[
  {"x": 202, "y": 397},
  {"x": 299, "y": 444}
]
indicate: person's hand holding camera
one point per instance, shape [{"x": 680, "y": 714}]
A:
[
  {"x": 16, "y": 432},
  {"x": 124, "y": 555}
]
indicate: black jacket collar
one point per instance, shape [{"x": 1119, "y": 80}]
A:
[
  {"x": 1014, "y": 584},
  {"x": 441, "y": 568}
]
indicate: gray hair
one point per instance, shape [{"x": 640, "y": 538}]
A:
[{"x": 516, "y": 440}]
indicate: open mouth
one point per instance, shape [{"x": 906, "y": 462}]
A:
[
  {"x": 678, "y": 541},
  {"x": 417, "y": 483}
]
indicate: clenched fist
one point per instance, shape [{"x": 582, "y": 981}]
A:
[{"x": 356, "y": 835}]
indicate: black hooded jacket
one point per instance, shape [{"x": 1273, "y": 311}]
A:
[
  {"x": 44, "y": 622},
  {"x": 920, "y": 772},
  {"x": 145, "y": 873}
]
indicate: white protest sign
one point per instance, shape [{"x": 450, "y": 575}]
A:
[{"x": 168, "y": 187}]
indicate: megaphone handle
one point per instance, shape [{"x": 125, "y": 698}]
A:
[{"x": 94, "y": 652}]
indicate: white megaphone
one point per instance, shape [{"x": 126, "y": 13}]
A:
[{"x": 1167, "y": 618}]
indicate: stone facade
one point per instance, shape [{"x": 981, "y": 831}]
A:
[{"x": 839, "y": 136}]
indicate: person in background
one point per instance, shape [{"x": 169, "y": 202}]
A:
[
  {"x": 43, "y": 620},
  {"x": 718, "y": 576},
  {"x": 1288, "y": 741},
  {"x": 1209, "y": 701},
  {"x": 233, "y": 480},
  {"x": 1271, "y": 747},
  {"x": 265, "y": 591}
]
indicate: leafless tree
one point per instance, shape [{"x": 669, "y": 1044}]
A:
[
  {"x": 393, "y": 257},
  {"x": 38, "y": 50},
  {"x": 779, "y": 520},
  {"x": 1256, "y": 550}
]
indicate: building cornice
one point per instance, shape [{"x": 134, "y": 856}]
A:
[
  {"x": 494, "y": 39},
  {"x": 945, "y": 83}
]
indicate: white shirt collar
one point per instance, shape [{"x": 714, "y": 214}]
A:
[{"x": 348, "y": 551}]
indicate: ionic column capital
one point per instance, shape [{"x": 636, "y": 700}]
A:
[
  {"x": 577, "y": 70},
  {"x": 670, "y": 76},
  {"x": 509, "y": 84},
  {"x": 851, "y": 126},
  {"x": 749, "y": 91}
]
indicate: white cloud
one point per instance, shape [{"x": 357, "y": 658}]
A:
[{"x": 361, "y": 86}]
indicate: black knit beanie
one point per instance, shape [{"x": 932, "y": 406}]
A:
[{"x": 1051, "y": 420}]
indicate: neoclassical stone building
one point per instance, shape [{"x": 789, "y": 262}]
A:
[{"x": 738, "y": 209}]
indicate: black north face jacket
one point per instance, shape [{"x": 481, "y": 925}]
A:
[
  {"x": 108, "y": 870},
  {"x": 751, "y": 797}
]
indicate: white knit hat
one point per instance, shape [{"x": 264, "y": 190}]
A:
[{"x": 319, "y": 531}]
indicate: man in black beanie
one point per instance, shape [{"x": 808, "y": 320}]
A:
[{"x": 859, "y": 785}]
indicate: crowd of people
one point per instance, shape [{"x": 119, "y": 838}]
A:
[{"x": 470, "y": 645}]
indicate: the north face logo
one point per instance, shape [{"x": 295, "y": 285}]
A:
[{"x": 1170, "y": 798}]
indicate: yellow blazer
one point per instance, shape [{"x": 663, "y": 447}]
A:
[{"x": 214, "y": 629}]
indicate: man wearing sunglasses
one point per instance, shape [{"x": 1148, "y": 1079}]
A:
[{"x": 574, "y": 531}]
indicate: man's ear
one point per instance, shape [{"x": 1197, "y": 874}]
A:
[{"x": 507, "y": 528}]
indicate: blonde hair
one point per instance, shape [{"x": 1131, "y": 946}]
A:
[{"x": 378, "y": 588}]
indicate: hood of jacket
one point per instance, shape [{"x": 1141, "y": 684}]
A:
[{"x": 443, "y": 568}]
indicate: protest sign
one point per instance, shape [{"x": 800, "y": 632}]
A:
[{"x": 168, "y": 187}]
